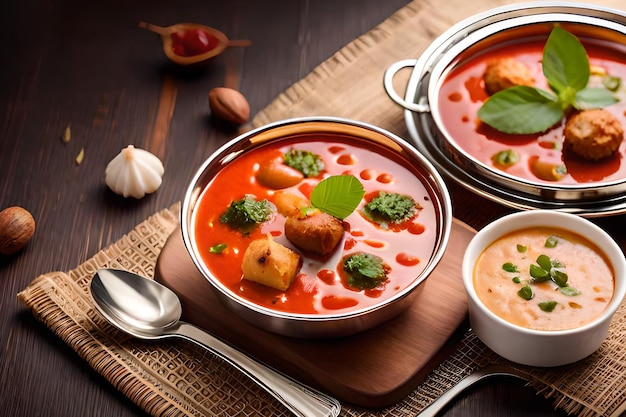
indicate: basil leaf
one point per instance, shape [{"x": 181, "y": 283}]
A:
[
  {"x": 594, "y": 98},
  {"x": 565, "y": 63},
  {"x": 338, "y": 195},
  {"x": 521, "y": 110}
]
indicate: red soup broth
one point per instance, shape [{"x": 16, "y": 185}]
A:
[
  {"x": 463, "y": 92},
  {"x": 318, "y": 287}
]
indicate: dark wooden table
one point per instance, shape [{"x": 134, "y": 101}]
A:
[{"x": 85, "y": 64}]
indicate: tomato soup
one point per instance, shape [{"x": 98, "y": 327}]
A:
[
  {"x": 509, "y": 280},
  {"x": 318, "y": 287},
  {"x": 462, "y": 93}
]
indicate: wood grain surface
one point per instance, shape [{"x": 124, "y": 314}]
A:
[
  {"x": 374, "y": 368},
  {"x": 87, "y": 65}
]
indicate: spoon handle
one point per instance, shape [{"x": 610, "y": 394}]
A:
[
  {"x": 433, "y": 409},
  {"x": 302, "y": 400}
]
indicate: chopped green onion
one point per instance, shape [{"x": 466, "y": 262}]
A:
[
  {"x": 569, "y": 291},
  {"x": 219, "y": 248},
  {"x": 552, "y": 241}
]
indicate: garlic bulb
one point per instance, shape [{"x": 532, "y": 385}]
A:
[{"x": 134, "y": 172}]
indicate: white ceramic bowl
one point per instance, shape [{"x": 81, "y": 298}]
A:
[{"x": 541, "y": 347}]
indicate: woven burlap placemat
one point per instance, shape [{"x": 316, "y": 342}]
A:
[{"x": 177, "y": 378}]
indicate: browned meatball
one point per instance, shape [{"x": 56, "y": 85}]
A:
[
  {"x": 593, "y": 134},
  {"x": 319, "y": 232},
  {"x": 504, "y": 73}
]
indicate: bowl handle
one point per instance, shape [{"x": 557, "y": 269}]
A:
[{"x": 393, "y": 94}]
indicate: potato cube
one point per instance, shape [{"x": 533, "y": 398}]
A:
[{"x": 271, "y": 264}]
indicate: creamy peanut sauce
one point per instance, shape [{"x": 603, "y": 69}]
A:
[{"x": 587, "y": 268}]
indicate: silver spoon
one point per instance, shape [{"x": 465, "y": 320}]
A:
[
  {"x": 146, "y": 309},
  {"x": 477, "y": 375}
]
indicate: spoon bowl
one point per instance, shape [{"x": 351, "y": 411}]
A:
[
  {"x": 146, "y": 309},
  {"x": 134, "y": 305}
]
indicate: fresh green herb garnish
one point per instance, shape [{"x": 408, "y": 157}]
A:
[
  {"x": 611, "y": 83},
  {"x": 505, "y": 158},
  {"x": 522, "y": 248},
  {"x": 547, "y": 306},
  {"x": 307, "y": 162},
  {"x": 547, "y": 269},
  {"x": 569, "y": 291},
  {"x": 525, "y": 292},
  {"x": 219, "y": 248},
  {"x": 551, "y": 241},
  {"x": 365, "y": 271},
  {"x": 559, "y": 277},
  {"x": 247, "y": 213},
  {"x": 544, "y": 262},
  {"x": 510, "y": 267},
  {"x": 390, "y": 208},
  {"x": 338, "y": 195},
  {"x": 516, "y": 280},
  {"x": 527, "y": 110},
  {"x": 539, "y": 274}
]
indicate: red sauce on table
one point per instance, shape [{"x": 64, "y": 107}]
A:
[
  {"x": 318, "y": 288},
  {"x": 463, "y": 92}
]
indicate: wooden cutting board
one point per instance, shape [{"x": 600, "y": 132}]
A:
[{"x": 375, "y": 368}]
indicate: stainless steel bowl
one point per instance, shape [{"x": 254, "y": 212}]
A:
[
  {"x": 505, "y": 24},
  {"x": 319, "y": 325}
]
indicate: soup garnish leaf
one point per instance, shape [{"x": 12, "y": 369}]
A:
[
  {"x": 510, "y": 267},
  {"x": 559, "y": 277},
  {"x": 611, "y": 82},
  {"x": 365, "y": 271},
  {"x": 307, "y": 162},
  {"x": 570, "y": 291},
  {"x": 390, "y": 208},
  {"x": 544, "y": 262},
  {"x": 547, "y": 306},
  {"x": 505, "y": 158},
  {"x": 527, "y": 110},
  {"x": 525, "y": 292},
  {"x": 539, "y": 274},
  {"x": 521, "y": 110},
  {"x": 219, "y": 248},
  {"x": 246, "y": 213},
  {"x": 552, "y": 241},
  {"x": 547, "y": 269},
  {"x": 338, "y": 195}
]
